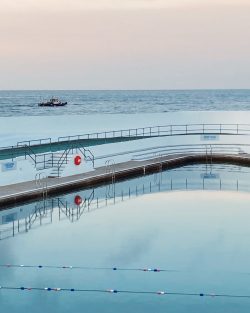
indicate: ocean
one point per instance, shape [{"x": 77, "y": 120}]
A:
[
  {"x": 201, "y": 235},
  {"x": 25, "y": 103}
]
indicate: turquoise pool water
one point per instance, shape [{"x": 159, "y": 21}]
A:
[{"x": 203, "y": 236}]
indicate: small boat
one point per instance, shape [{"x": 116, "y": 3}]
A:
[{"x": 53, "y": 102}]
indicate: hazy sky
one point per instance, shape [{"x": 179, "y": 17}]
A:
[{"x": 124, "y": 44}]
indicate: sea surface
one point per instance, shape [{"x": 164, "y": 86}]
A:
[
  {"x": 25, "y": 103},
  {"x": 203, "y": 236}
]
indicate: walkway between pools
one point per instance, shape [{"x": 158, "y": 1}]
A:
[
  {"x": 17, "y": 193},
  {"x": 45, "y": 145},
  {"x": 73, "y": 205}
]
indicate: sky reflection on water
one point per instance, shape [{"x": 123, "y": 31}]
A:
[{"x": 204, "y": 235}]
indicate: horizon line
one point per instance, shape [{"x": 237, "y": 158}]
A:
[{"x": 160, "y": 89}]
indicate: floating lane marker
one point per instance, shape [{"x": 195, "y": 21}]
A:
[
  {"x": 115, "y": 291},
  {"x": 155, "y": 270}
]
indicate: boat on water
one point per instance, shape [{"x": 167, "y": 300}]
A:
[{"x": 53, "y": 102}]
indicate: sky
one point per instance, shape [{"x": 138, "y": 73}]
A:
[{"x": 124, "y": 44}]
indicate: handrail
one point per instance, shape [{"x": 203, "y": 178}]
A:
[
  {"x": 30, "y": 154},
  {"x": 63, "y": 159},
  {"x": 88, "y": 201},
  {"x": 177, "y": 148},
  {"x": 29, "y": 142},
  {"x": 193, "y": 149},
  {"x": 141, "y": 132},
  {"x": 180, "y": 183},
  {"x": 46, "y": 160},
  {"x": 38, "y": 212},
  {"x": 90, "y": 158},
  {"x": 80, "y": 208},
  {"x": 64, "y": 156},
  {"x": 160, "y": 130}
]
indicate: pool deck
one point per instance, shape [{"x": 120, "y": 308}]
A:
[{"x": 17, "y": 194}]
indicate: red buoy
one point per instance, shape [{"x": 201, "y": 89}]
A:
[
  {"x": 78, "y": 200},
  {"x": 78, "y": 160}
]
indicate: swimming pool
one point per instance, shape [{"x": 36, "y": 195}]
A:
[{"x": 201, "y": 239}]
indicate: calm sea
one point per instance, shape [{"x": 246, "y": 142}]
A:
[{"x": 23, "y": 103}]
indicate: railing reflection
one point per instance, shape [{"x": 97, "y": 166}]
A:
[{"x": 73, "y": 206}]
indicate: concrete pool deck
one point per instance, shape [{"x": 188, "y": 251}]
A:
[{"x": 22, "y": 192}]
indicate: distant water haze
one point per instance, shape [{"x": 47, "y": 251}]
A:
[{"x": 140, "y": 44}]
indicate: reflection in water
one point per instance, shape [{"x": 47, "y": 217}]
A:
[
  {"x": 204, "y": 236},
  {"x": 72, "y": 206}
]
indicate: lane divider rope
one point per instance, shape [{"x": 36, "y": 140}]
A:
[
  {"x": 115, "y": 291},
  {"x": 156, "y": 270}
]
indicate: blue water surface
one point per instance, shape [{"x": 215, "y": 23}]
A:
[
  {"x": 23, "y": 103},
  {"x": 203, "y": 236}
]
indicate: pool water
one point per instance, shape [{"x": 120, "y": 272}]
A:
[{"x": 201, "y": 236}]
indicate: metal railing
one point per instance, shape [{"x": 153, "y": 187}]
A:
[
  {"x": 23, "y": 225},
  {"x": 34, "y": 142},
  {"x": 152, "y": 131},
  {"x": 29, "y": 152},
  {"x": 48, "y": 160},
  {"x": 93, "y": 202},
  {"x": 165, "y": 130},
  {"x": 194, "y": 149},
  {"x": 110, "y": 170},
  {"x": 165, "y": 150},
  {"x": 25, "y": 147},
  {"x": 73, "y": 213},
  {"x": 87, "y": 154}
]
